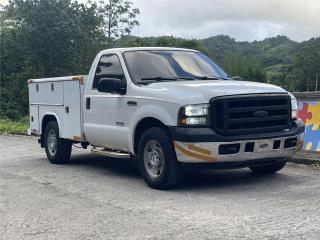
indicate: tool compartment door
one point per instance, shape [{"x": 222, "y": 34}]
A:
[
  {"x": 72, "y": 117},
  {"x": 34, "y": 119},
  {"x": 46, "y": 93}
]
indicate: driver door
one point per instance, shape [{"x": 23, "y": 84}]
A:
[{"x": 104, "y": 118}]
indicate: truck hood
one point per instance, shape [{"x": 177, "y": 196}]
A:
[{"x": 184, "y": 92}]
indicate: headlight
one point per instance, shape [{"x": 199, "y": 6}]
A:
[
  {"x": 294, "y": 108},
  {"x": 194, "y": 115}
]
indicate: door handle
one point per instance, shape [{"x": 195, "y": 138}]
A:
[
  {"x": 132, "y": 103},
  {"x": 88, "y": 103}
]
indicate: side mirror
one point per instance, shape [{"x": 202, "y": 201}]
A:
[
  {"x": 109, "y": 85},
  {"x": 236, "y": 78}
]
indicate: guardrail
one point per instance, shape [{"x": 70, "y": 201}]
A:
[{"x": 309, "y": 112}]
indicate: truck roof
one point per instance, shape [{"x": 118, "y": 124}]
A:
[{"x": 130, "y": 49}]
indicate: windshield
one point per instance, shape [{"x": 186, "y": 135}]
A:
[{"x": 160, "y": 64}]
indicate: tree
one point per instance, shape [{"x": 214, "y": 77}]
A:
[
  {"x": 307, "y": 64},
  {"x": 91, "y": 38},
  {"x": 119, "y": 18},
  {"x": 248, "y": 69},
  {"x": 44, "y": 39},
  {"x": 47, "y": 38}
]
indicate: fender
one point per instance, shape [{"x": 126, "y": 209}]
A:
[
  {"x": 151, "y": 111},
  {"x": 58, "y": 121}
]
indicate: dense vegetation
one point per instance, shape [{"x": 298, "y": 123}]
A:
[
  {"x": 20, "y": 126},
  {"x": 61, "y": 37}
]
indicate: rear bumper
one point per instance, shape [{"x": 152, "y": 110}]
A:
[{"x": 202, "y": 145}]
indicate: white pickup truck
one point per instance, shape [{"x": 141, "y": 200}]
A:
[{"x": 168, "y": 108}]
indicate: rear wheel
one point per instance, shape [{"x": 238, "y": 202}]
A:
[
  {"x": 268, "y": 169},
  {"x": 157, "y": 159},
  {"x": 58, "y": 150}
]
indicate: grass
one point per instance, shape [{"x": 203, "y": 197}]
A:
[{"x": 8, "y": 126}]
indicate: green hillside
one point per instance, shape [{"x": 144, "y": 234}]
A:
[{"x": 273, "y": 54}]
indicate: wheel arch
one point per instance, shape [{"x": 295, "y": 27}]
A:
[
  {"x": 142, "y": 126},
  {"x": 48, "y": 117}
]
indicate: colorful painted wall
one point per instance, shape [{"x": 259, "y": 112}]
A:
[{"x": 309, "y": 112}]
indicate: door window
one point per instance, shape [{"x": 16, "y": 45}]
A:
[{"x": 109, "y": 66}]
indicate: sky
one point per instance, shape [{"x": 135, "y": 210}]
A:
[{"x": 244, "y": 20}]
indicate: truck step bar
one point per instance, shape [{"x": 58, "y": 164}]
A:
[{"x": 110, "y": 153}]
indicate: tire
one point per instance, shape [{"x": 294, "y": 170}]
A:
[
  {"x": 157, "y": 159},
  {"x": 58, "y": 150},
  {"x": 269, "y": 169}
]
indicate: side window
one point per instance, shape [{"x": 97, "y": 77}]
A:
[{"x": 108, "y": 67}]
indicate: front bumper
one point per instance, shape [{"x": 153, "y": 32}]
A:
[{"x": 202, "y": 145}]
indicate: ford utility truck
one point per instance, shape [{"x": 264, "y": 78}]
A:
[{"x": 168, "y": 108}]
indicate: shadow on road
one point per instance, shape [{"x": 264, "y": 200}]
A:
[
  {"x": 243, "y": 179},
  {"x": 234, "y": 178},
  {"x": 121, "y": 167}
]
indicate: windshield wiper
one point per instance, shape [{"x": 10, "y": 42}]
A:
[
  {"x": 149, "y": 80},
  {"x": 208, "y": 78},
  {"x": 162, "y": 79},
  {"x": 159, "y": 79}
]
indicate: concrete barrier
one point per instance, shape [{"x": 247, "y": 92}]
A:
[{"x": 309, "y": 112}]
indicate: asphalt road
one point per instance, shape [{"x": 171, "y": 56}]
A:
[{"x": 100, "y": 198}]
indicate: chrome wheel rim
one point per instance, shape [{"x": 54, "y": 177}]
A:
[
  {"x": 153, "y": 159},
  {"x": 52, "y": 142}
]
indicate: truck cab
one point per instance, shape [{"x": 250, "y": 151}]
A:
[{"x": 168, "y": 108}]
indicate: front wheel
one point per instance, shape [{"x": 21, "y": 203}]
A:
[
  {"x": 268, "y": 169},
  {"x": 58, "y": 150},
  {"x": 157, "y": 159}
]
